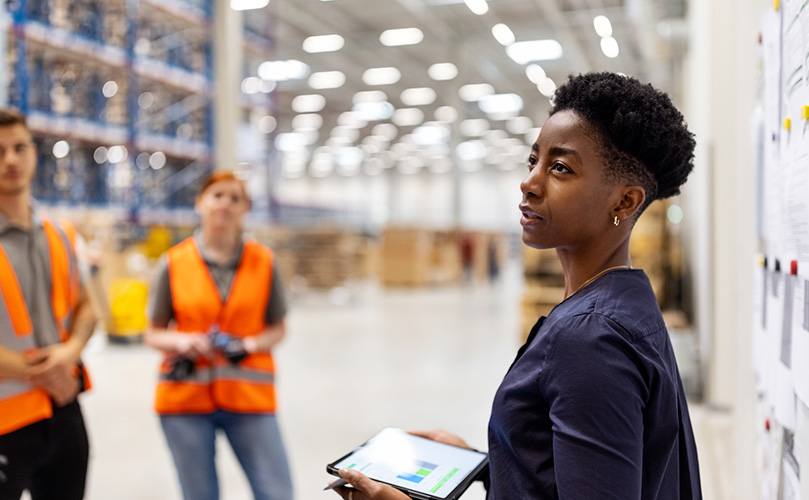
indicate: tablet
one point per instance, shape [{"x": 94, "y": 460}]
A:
[{"x": 422, "y": 468}]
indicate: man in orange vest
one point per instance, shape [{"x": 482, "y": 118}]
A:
[{"x": 45, "y": 322}]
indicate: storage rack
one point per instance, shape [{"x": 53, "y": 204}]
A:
[{"x": 127, "y": 84}]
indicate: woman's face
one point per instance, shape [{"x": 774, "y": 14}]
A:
[
  {"x": 223, "y": 204},
  {"x": 566, "y": 197}
]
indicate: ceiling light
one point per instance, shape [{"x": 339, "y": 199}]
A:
[
  {"x": 386, "y": 130},
  {"x": 474, "y": 127},
  {"x": 519, "y": 124},
  {"x": 309, "y": 103},
  {"x": 248, "y": 4},
  {"x": 609, "y": 46},
  {"x": 373, "y": 111},
  {"x": 323, "y": 43},
  {"x": 307, "y": 121},
  {"x": 446, "y": 114},
  {"x": 501, "y": 103},
  {"x": 110, "y": 89},
  {"x": 547, "y": 87},
  {"x": 535, "y": 73},
  {"x": 381, "y": 76},
  {"x": 478, "y": 7},
  {"x": 327, "y": 80},
  {"x": 369, "y": 96},
  {"x": 351, "y": 119},
  {"x": 251, "y": 85},
  {"x": 408, "y": 117},
  {"x": 294, "y": 141},
  {"x": 420, "y": 96},
  {"x": 398, "y": 37},
  {"x": 503, "y": 34},
  {"x": 280, "y": 71},
  {"x": 534, "y": 50},
  {"x": 428, "y": 135},
  {"x": 61, "y": 149},
  {"x": 603, "y": 26},
  {"x": 267, "y": 124},
  {"x": 471, "y": 150},
  {"x": 475, "y": 91},
  {"x": 443, "y": 71}
]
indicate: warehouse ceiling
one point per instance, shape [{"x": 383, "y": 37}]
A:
[{"x": 649, "y": 35}]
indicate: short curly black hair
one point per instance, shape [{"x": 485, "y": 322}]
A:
[{"x": 644, "y": 136}]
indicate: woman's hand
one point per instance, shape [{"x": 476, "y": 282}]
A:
[
  {"x": 442, "y": 437},
  {"x": 193, "y": 345},
  {"x": 366, "y": 489}
]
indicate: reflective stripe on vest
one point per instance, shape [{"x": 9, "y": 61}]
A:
[
  {"x": 218, "y": 384},
  {"x": 20, "y": 403}
]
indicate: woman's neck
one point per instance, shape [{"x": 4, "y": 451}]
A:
[
  {"x": 221, "y": 244},
  {"x": 581, "y": 268}
]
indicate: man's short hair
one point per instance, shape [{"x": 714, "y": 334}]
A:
[{"x": 12, "y": 116}]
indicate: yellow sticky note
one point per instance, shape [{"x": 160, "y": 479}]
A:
[
  {"x": 804, "y": 112},
  {"x": 787, "y": 124},
  {"x": 777, "y": 4}
]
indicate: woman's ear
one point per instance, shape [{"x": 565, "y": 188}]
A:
[{"x": 632, "y": 198}]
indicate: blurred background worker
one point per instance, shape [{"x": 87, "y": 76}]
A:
[
  {"x": 216, "y": 311},
  {"x": 45, "y": 322}
]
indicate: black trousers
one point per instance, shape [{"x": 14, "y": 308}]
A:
[{"x": 48, "y": 458}]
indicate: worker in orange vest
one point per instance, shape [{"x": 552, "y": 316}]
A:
[
  {"x": 45, "y": 322},
  {"x": 216, "y": 310}
]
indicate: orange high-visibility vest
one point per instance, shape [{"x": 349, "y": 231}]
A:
[
  {"x": 216, "y": 383},
  {"x": 20, "y": 403}
]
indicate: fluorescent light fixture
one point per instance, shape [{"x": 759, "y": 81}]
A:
[
  {"x": 157, "y": 160},
  {"x": 408, "y": 117},
  {"x": 503, "y": 34},
  {"x": 474, "y": 127},
  {"x": 280, "y": 71},
  {"x": 609, "y": 46},
  {"x": 475, "y": 91},
  {"x": 442, "y": 71},
  {"x": 327, "y": 80},
  {"x": 446, "y": 114},
  {"x": 307, "y": 121},
  {"x": 294, "y": 141},
  {"x": 372, "y": 111},
  {"x": 110, "y": 89},
  {"x": 429, "y": 135},
  {"x": 323, "y": 43},
  {"x": 519, "y": 124},
  {"x": 420, "y": 96},
  {"x": 347, "y": 134},
  {"x": 381, "y": 76},
  {"x": 399, "y": 37},
  {"x": 308, "y": 103},
  {"x": 61, "y": 149},
  {"x": 535, "y": 73},
  {"x": 267, "y": 124},
  {"x": 386, "y": 130},
  {"x": 248, "y": 4},
  {"x": 471, "y": 150},
  {"x": 369, "y": 96},
  {"x": 478, "y": 7},
  {"x": 534, "y": 50},
  {"x": 251, "y": 85},
  {"x": 501, "y": 104},
  {"x": 603, "y": 26},
  {"x": 351, "y": 119},
  {"x": 547, "y": 87}
]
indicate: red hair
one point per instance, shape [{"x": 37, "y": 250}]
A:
[{"x": 223, "y": 176}]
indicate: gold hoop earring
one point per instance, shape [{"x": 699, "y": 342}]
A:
[{"x": 616, "y": 221}]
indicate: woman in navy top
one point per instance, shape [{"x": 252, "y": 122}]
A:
[{"x": 593, "y": 406}]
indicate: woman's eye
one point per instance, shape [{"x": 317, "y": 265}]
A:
[
  {"x": 532, "y": 161},
  {"x": 560, "y": 167}
]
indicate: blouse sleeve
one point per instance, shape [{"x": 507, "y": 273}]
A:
[
  {"x": 277, "y": 305},
  {"x": 596, "y": 389},
  {"x": 160, "y": 308}
]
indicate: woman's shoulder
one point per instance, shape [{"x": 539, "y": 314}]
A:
[{"x": 621, "y": 302}]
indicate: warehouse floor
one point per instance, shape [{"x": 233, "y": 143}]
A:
[{"x": 355, "y": 360}]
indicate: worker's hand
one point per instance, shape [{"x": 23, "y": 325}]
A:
[
  {"x": 53, "y": 369},
  {"x": 194, "y": 345},
  {"x": 442, "y": 437},
  {"x": 366, "y": 489}
]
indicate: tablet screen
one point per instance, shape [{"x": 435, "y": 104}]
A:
[{"x": 414, "y": 463}]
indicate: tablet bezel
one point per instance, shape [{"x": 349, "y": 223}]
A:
[{"x": 415, "y": 494}]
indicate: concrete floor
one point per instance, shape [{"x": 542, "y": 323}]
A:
[{"x": 355, "y": 360}]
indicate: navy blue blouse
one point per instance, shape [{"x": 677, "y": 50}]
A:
[{"x": 593, "y": 406}]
